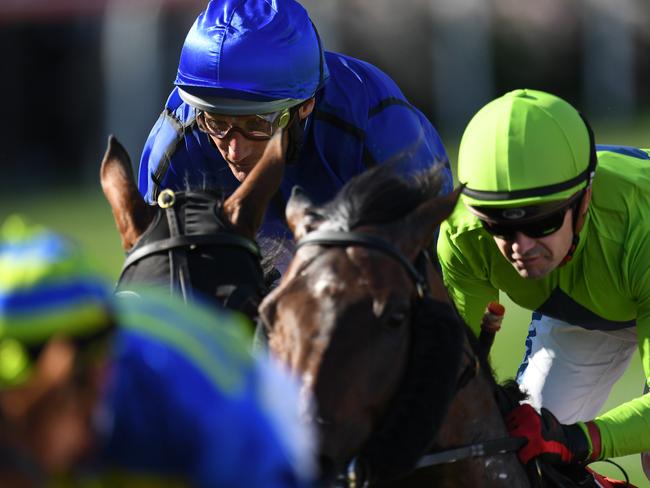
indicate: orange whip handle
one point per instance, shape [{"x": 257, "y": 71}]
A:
[{"x": 490, "y": 325}]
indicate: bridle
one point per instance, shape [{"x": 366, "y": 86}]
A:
[
  {"x": 178, "y": 243},
  {"x": 333, "y": 238},
  {"x": 354, "y": 476}
]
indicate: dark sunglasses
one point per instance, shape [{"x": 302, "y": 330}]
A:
[{"x": 536, "y": 229}]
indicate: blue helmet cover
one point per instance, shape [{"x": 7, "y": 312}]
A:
[{"x": 252, "y": 50}]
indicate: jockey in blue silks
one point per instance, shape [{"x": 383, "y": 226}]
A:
[
  {"x": 250, "y": 67},
  {"x": 132, "y": 391}
]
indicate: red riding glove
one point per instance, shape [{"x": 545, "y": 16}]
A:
[{"x": 550, "y": 440}]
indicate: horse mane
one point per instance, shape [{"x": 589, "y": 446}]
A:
[
  {"x": 421, "y": 404},
  {"x": 274, "y": 252},
  {"x": 408, "y": 429},
  {"x": 507, "y": 393},
  {"x": 380, "y": 195}
]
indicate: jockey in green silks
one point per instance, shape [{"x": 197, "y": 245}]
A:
[{"x": 561, "y": 226}]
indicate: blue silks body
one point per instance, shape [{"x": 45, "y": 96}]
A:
[{"x": 361, "y": 119}]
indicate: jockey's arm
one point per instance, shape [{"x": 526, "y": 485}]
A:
[
  {"x": 625, "y": 429},
  {"x": 469, "y": 289},
  {"x": 166, "y": 157},
  {"x": 401, "y": 134}
]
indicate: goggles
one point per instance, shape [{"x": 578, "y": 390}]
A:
[
  {"x": 255, "y": 127},
  {"x": 17, "y": 360},
  {"x": 538, "y": 228}
]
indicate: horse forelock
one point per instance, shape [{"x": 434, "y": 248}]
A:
[{"x": 380, "y": 195}]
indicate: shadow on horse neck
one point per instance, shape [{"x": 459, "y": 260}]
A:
[
  {"x": 362, "y": 317},
  {"x": 197, "y": 243}
]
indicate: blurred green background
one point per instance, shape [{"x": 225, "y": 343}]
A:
[{"x": 84, "y": 214}]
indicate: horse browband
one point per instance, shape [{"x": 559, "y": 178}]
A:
[{"x": 330, "y": 238}]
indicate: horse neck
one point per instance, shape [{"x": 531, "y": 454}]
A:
[{"x": 474, "y": 416}]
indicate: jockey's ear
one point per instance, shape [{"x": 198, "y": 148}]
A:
[
  {"x": 131, "y": 213},
  {"x": 420, "y": 225},
  {"x": 306, "y": 108},
  {"x": 301, "y": 215}
]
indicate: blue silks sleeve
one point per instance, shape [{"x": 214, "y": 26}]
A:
[{"x": 187, "y": 403}]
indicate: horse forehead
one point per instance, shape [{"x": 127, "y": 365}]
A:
[
  {"x": 377, "y": 268},
  {"x": 345, "y": 268},
  {"x": 328, "y": 282}
]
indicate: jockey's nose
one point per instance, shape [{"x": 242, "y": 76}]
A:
[
  {"x": 521, "y": 244},
  {"x": 238, "y": 146}
]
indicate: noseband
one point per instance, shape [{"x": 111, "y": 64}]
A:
[
  {"x": 355, "y": 477},
  {"x": 178, "y": 243}
]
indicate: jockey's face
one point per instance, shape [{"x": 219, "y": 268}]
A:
[
  {"x": 537, "y": 257},
  {"x": 243, "y": 154},
  {"x": 48, "y": 420},
  {"x": 240, "y": 153}
]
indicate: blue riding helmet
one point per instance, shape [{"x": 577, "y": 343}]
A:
[{"x": 250, "y": 57}]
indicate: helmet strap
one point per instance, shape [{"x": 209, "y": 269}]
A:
[
  {"x": 572, "y": 249},
  {"x": 296, "y": 130},
  {"x": 574, "y": 227},
  {"x": 591, "y": 170}
]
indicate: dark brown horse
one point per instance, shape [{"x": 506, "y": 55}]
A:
[
  {"x": 362, "y": 317},
  {"x": 193, "y": 241}
]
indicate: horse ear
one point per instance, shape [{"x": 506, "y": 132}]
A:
[
  {"x": 300, "y": 213},
  {"x": 425, "y": 219},
  {"x": 131, "y": 213}
]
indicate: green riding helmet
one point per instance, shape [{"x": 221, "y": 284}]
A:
[
  {"x": 47, "y": 289},
  {"x": 525, "y": 148}
]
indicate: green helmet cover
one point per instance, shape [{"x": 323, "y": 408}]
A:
[
  {"x": 48, "y": 288},
  {"x": 525, "y": 148}
]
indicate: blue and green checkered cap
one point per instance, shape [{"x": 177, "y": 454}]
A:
[{"x": 47, "y": 289}]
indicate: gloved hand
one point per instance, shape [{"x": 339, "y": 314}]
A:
[{"x": 550, "y": 440}]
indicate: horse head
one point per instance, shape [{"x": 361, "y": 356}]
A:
[
  {"x": 355, "y": 305},
  {"x": 193, "y": 241}
]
